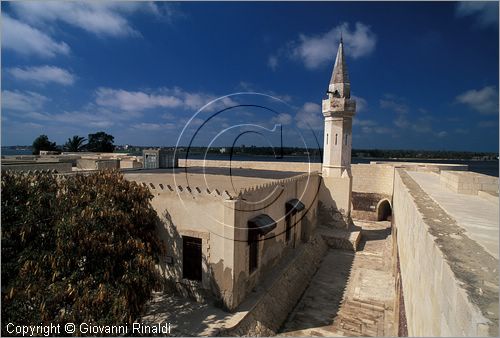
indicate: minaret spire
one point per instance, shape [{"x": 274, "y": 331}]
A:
[{"x": 340, "y": 85}]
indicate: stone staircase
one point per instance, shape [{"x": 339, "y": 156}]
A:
[{"x": 360, "y": 318}]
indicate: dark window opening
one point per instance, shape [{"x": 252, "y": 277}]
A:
[
  {"x": 258, "y": 226},
  {"x": 326, "y": 138},
  {"x": 254, "y": 252},
  {"x": 288, "y": 223},
  {"x": 384, "y": 211},
  {"x": 335, "y": 139},
  {"x": 191, "y": 258}
]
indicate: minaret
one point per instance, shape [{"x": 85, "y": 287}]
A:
[{"x": 338, "y": 110}]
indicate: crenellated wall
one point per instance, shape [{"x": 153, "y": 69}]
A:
[{"x": 220, "y": 219}]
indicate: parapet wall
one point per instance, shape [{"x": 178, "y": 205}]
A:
[
  {"x": 372, "y": 178},
  {"x": 468, "y": 183},
  {"x": 41, "y": 166},
  {"x": 302, "y": 167},
  {"x": 450, "y": 283}
]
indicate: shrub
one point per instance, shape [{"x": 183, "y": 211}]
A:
[{"x": 76, "y": 249}]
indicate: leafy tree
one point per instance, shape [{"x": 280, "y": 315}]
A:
[
  {"x": 75, "y": 143},
  {"x": 76, "y": 249},
  {"x": 101, "y": 142},
  {"x": 42, "y": 143}
]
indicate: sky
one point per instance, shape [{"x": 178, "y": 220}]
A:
[{"x": 424, "y": 74}]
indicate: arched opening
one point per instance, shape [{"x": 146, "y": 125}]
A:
[{"x": 384, "y": 210}]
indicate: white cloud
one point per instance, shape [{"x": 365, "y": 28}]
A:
[
  {"x": 393, "y": 103},
  {"x": 283, "y": 119},
  {"x": 127, "y": 100},
  {"x": 43, "y": 74},
  {"x": 309, "y": 116},
  {"x": 485, "y": 13},
  {"x": 27, "y": 40},
  {"x": 442, "y": 134},
  {"x": 398, "y": 107},
  {"x": 102, "y": 18},
  {"x": 487, "y": 124},
  {"x": 272, "y": 62},
  {"x": 161, "y": 98},
  {"x": 484, "y": 101},
  {"x": 363, "y": 123},
  {"x": 361, "y": 103},
  {"x": 22, "y": 101},
  {"x": 154, "y": 126},
  {"x": 319, "y": 50},
  {"x": 462, "y": 131}
]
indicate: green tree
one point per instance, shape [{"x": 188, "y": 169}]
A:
[
  {"x": 101, "y": 142},
  {"x": 76, "y": 249},
  {"x": 42, "y": 143},
  {"x": 75, "y": 143}
]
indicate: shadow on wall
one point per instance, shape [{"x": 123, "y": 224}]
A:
[
  {"x": 366, "y": 206},
  {"x": 330, "y": 216},
  {"x": 326, "y": 294},
  {"x": 171, "y": 268}
]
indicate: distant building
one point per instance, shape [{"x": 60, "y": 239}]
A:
[{"x": 159, "y": 158}]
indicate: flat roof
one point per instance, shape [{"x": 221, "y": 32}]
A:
[
  {"x": 232, "y": 180},
  {"x": 477, "y": 215}
]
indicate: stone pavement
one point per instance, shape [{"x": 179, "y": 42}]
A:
[
  {"x": 187, "y": 317},
  {"x": 352, "y": 294}
]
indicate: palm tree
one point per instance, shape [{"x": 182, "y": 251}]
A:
[{"x": 75, "y": 143}]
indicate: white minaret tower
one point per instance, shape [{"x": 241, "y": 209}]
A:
[{"x": 338, "y": 110}]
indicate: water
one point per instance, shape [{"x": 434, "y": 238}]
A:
[
  {"x": 9, "y": 151},
  {"x": 482, "y": 167}
]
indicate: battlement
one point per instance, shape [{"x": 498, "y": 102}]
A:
[
  {"x": 193, "y": 192},
  {"x": 269, "y": 187},
  {"x": 245, "y": 193}
]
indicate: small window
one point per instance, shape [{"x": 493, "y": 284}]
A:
[
  {"x": 191, "y": 258},
  {"x": 288, "y": 224},
  {"x": 253, "y": 261},
  {"x": 327, "y": 139},
  {"x": 336, "y": 139}
]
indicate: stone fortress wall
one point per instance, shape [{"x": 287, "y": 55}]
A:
[
  {"x": 440, "y": 298},
  {"x": 220, "y": 219},
  {"x": 449, "y": 282}
]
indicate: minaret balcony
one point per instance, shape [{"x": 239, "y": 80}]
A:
[{"x": 334, "y": 105}]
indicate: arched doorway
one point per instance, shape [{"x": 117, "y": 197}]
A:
[{"x": 384, "y": 210}]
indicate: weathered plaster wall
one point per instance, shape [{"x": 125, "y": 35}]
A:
[
  {"x": 270, "y": 199},
  {"x": 221, "y": 221},
  {"x": 372, "y": 178},
  {"x": 266, "y": 312},
  {"x": 196, "y": 213},
  {"x": 450, "y": 283}
]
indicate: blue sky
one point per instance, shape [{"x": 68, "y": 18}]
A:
[{"x": 425, "y": 75}]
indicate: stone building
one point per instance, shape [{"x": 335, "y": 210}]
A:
[{"x": 159, "y": 158}]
